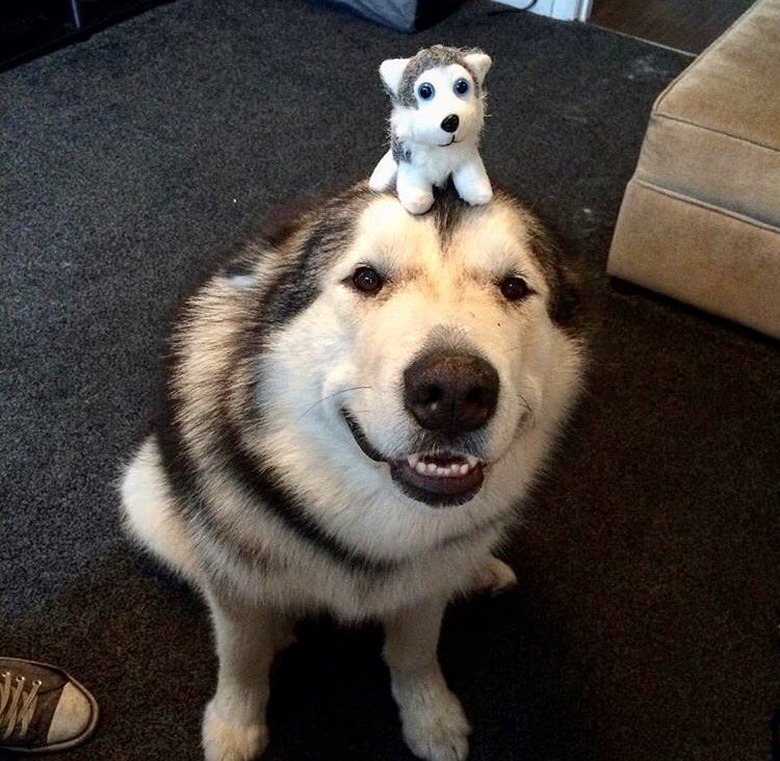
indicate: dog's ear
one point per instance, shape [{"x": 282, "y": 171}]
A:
[
  {"x": 479, "y": 63},
  {"x": 391, "y": 71}
]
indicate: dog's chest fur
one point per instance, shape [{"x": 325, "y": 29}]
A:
[{"x": 306, "y": 581}]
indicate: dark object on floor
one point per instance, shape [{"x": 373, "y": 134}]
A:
[
  {"x": 403, "y": 15},
  {"x": 31, "y": 27}
]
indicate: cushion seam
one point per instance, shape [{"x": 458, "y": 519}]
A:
[
  {"x": 676, "y": 195},
  {"x": 682, "y": 120}
]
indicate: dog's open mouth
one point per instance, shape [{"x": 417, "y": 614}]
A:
[{"x": 438, "y": 479}]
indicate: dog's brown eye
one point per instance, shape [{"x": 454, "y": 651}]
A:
[
  {"x": 367, "y": 280},
  {"x": 514, "y": 288}
]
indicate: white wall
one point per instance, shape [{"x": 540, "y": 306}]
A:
[{"x": 566, "y": 10}]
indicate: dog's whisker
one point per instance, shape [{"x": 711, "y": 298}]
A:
[
  {"x": 525, "y": 403},
  {"x": 330, "y": 396}
]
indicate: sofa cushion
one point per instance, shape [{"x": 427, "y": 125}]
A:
[
  {"x": 714, "y": 133},
  {"x": 720, "y": 261},
  {"x": 700, "y": 220},
  {"x": 732, "y": 87}
]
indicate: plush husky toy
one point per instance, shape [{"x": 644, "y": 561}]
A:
[{"x": 438, "y": 101}]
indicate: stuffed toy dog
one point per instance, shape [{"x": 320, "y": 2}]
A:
[{"x": 438, "y": 99}]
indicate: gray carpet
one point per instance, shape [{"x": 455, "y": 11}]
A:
[{"x": 644, "y": 628}]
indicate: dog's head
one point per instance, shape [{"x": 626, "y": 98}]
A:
[
  {"x": 438, "y": 95},
  {"x": 419, "y": 355}
]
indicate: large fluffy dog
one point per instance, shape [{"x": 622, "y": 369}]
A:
[{"x": 356, "y": 405}]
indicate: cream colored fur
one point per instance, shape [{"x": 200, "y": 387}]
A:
[{"x": 346, "y": 350}]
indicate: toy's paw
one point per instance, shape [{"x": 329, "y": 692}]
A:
[
  {"x": 434, "y": 725},
  {"x": 496, "y": 577},
  {"x": 223, "y": 741},
  {"x": 378, "y": 184},
  {"x": 384, "y": 175},
  {"x": 479, "y": 195},
  {"x": 381, "y": 179},
  {"x": 416, "y": 201}
]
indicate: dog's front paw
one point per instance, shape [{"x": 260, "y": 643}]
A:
[
  {"x": 223, "y": 741},
  {"x": 434, "y": 725},
  {"x": 495, "y": 577}
]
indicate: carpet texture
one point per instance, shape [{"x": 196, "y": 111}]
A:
[{"x": 644, "y": 627}]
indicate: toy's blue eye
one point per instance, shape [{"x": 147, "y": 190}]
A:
[
  {"x": 426, "y": 91},
  {"x": 462, "y": 86}
]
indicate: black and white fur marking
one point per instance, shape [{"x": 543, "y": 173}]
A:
[{"x": 356, "y": 407}]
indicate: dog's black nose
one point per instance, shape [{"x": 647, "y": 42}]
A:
[
  {"x": 450, "y": 391},
  {"x": 450, "y": 123}
]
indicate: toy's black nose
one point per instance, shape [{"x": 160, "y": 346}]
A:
[
  {"x": 450, "y": 123},
  {"x": 450, "y": 392}
]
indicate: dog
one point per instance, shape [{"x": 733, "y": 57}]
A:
[
  {"x": 438, "y": 110},
  {"x": 356, "y": 406}
]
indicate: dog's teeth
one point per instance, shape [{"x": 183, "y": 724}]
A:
[{"x": 450, "y": 470}]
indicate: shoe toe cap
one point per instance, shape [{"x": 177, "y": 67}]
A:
[{"x": 74, "y": 717}]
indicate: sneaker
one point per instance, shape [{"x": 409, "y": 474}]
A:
[{"x": 42, "y": 708}]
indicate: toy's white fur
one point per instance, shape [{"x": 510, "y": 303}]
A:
[{"x": 432, "y": 154}]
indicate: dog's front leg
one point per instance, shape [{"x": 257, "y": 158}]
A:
[
  {"x": 434, "y": 725},
  {"x": 234, "y": 727}
]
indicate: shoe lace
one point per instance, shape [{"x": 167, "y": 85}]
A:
[{"x": 16, "y": 705}]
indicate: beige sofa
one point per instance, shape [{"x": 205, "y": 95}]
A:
[{"x": 700, "y": 220}]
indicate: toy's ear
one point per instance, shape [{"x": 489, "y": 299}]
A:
[
  {"x": 480, "y": 64},
  {"x": 391, "y": 71}
]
